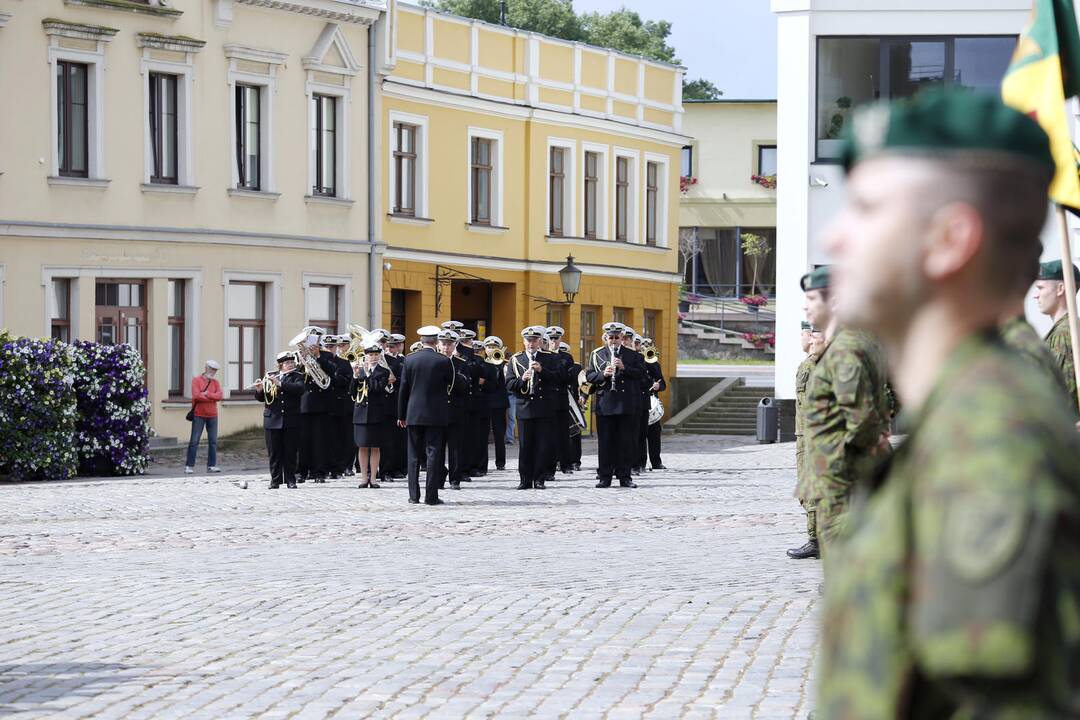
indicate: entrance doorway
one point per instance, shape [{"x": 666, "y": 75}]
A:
[
  {"x": 120, "y": 313},
  {"x": 470, "y": 304}
]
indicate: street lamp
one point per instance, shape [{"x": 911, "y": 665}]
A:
[{"x": 570, "y": 276}]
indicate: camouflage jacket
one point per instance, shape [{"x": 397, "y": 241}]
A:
[
  {"x": 846, "y": 413},
  {"x": 1059, "y": 342},
  {"x": 802, "y": 378},
  {"x": 1022, "y": 338},
  {"x": 955, "y": 590}
]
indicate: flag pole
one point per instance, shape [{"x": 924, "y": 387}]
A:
[{"x": 1070, "y": 290}]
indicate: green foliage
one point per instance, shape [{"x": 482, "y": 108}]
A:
[
  {"x": 755, "y": 247},
  {"x": 624, "y": 30},
  {"x": 700, "y": 89}
]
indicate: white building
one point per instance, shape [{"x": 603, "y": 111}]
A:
[{"x": 836, "y": 54}]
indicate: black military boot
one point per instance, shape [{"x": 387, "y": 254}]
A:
[{"x": 809, "y": 550}]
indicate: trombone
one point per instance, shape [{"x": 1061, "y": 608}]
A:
[
  {"x": 497, "y": 357},
  {"x": 652, "y": 355}
]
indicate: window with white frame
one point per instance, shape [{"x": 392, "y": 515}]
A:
[
  {"x": 330, "y": 66},
  {"x": 656, "y": 200},
  {"x": 322, "y": 306},
  {"x": 247, "y": 325},
  {"x": 325, "y": 145},
  {"x": 485, "y": 181},
  {"x": 77, "y": 107},
  {"x": 595, "y": 192},
  {"x": 686, "y": 161},
  {"x": 252, "y": 82},
  {"x": 169, "y": 135},
  {"x": 626, "y": 195},
  {"x": 408, "y": 165},
  {"x": 560, "y": 190}
]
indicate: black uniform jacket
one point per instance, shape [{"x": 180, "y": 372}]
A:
[
  {"x": 460, "y": 395},
  {"x": 619, "y": 394},
  {"x": 572, "y": 371},
  {"x": 541, "y": 402},
  {"x": 343, "y": 406},
  {"x": 284, "y": 412},
  {"x": 655, "y": 374},
  {"x": 325, "y": 402},
  {"x": 377, "y": 403},
  {"x": 495, "y": 387},
  {"x": 422, "y": 388}
]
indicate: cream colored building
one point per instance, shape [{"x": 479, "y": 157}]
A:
[
  {"x": 734, "y": 140},
  {"x": 506, "y": 151},
  {"x": 188, "y": 176}
]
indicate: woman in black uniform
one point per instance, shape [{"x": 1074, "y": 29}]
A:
[{"x": 370, "y": 393}]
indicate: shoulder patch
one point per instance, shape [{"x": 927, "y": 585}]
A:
[{"x": 983, "y": 534}]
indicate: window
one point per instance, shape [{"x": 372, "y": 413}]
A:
[
  {"x": 176, "y": 337},
  {"x": 686, "y": 165},
  {"x": 556, "y": 192},
  {"x": 556, "y": 315},
  {"x": 398, "y": 311},
  {"x": 322, "y": 304},
  {"x": 852, "y": 71},
  {"x": 248, "y": 137},
  {"x": 405, "y": 169},
  {"x": 246, "y": 302},
  {"x": 72, "y": 119},
  {"x": 766, "y": 160},
  {"x": 481, "y": 181},
  {"x": 592, "y": 181},
  {"x": 721, "y": 269},
  {"x": 163, "y": 129},
  {"x": 622, "y": 197},
  {"x": 60, "y": 309},
  {"x": 652, "y": 190},
  {"x": 650, "y": 325},
  {"x": 325, "y": 145},
  {"x": 590, "y": 330}
]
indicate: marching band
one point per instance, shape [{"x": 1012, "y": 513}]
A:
[{"x": 345, "y": 405}]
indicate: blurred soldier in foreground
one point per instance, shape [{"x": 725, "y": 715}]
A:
[{"x": 954, "y": 590}]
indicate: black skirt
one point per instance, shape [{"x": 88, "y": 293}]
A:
[{"x": 368, "y": 436}]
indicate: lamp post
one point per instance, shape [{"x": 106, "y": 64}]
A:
[{"x": 570, "y": 276}]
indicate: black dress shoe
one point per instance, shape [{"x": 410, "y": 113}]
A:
[
  {"x": 291, "y": 486},
  {"x": 455, "y": 486},
  {"x": 540, "y": 485},
  {"x": 604, "y": 484},
  {"x": 807, "y": 551},
  {"x": 635, "y": 471},
  {"x": 435, "y": 502},
  {"x": 467, "y": 478},
  {"x": 660, "y": 467},
  {"x": 413, "y": 502},
  {"x": 576, "y": 466},
  {"x": 500, "y": 467},
  {"x": 627, "y": 484},
  {"x": 275, "y": 486},
  {"x": 524, "y": 486}
]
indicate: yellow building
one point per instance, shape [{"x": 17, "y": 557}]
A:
[
  {"x": 187, "y": 176},
  {"x": 506, "y": 151}
]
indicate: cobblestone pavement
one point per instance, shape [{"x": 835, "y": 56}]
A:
[{"x": 163, "y": 597}]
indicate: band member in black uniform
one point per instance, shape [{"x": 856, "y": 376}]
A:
[
  {"x": 572, "y": 460},
  {"x": 659, "y": 385},
  {"x": 281, "y": 391},
  {"x": 635, "y": 444},
  {"x": 317, "y": 407},
  {"x": 344, "y": 452},
  {"x": 458, "y": 397},
  {"x": 392, "y": 464},
  {"x": 497, "y": 398},
  {"x": 372, "y": 397},
  {"x": 477, "y": 417},
  {"x": 615, "y": 382},
  {"x": 423, "y": 409},
  {"x": 562, "y": 400},
  {"x": 533, "y": 378}
]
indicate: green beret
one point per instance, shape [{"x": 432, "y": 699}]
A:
[
  {"x": 1054, "y": 271},
  {"x": 941, "y": 121},
  {"x": 816, "y": 279},
  {"x": 805, "y": 326}
]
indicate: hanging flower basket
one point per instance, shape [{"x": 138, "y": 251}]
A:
[
  {"x": 754, "y": 301},
  {"x": 760, "y": 340},
  {"x": 766, "y": 181},
  {"x": 685, "y": 181}
]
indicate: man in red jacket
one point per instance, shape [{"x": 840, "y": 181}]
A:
[{"x": 205, "y": 394}]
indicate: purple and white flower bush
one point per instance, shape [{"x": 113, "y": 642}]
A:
[
  {"x": 38, "y": 413},
  {"x": 113, "y": 433}
]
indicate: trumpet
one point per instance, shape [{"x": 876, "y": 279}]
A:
[
  {"x": 652, "y": 355},
  {"x": 269, "y": 389},
  {"x": 497, "y": 357}
]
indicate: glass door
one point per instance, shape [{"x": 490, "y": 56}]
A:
[{"x": 120, "y": 313}]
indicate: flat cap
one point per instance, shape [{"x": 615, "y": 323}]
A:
[
  {"x": 396, "y": 338},
  {"x": 555, "y": 331},
  {"x": 612, "y": 327},
  {"x": 286, "y": 355},
  {"x": 453, "y": 325},
  {"x": 533, "y": 332},
  {"x": 467, "y": 334},
  {"x": 493, "y": 340},
  {"x": 213, "y": 364},
  {"x": 563, "y": 347},
  {"x": 627, "y": 330},
  {"x": 416, "y": 346},
  {"x": 937, "y": 122},
  {"x": 428, "y": 331},
  {"x": 448, "y": 335},
  {"x": 816, "y": 279},
  {"x": 1054, "y": 270}
]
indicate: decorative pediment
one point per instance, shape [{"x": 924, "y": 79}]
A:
[{"x": 331, "y": 53}]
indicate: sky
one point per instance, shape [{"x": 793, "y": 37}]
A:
[{"x": 730, "y": 42}]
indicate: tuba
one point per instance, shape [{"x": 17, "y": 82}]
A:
[{"x": 311, "y": 366}]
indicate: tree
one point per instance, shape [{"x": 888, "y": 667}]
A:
[
  {"x": 700, "y": 89},
  {"x": 755, "y": 247},
  {"x": 625, "y": 31},
  {"x": 550, "y": 17}
]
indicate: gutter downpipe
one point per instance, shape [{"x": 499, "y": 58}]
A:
[{"x": 374, "y": 265}]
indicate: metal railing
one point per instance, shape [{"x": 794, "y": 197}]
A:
[{"x": 724, "y": 307}]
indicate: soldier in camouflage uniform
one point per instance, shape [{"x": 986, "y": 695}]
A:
[
  {"x": 1050, "y": 295},
  {"x": 1018, "y": 334},
  {"x": 954, "y": 589}
]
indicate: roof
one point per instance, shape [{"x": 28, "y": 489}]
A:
[{"x": 727, "y": 101}]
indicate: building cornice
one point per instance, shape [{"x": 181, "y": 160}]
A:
[
  {"x": 236, "y": 51},
  {"x": 78, "y": 31},
  {"x": 362, "y": 12},
  {"x": 176, "y": 43},
  {"x": 159, "y": 10}
]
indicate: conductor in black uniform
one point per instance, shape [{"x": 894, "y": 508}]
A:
[
  {"x": 281, "y": 419},
  {"x": 423, "y": 409},
  {"x": 615, "y": 379},
  {"x": 533, "y": 378}
]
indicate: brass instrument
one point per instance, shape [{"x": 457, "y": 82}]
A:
[
  {"x": 269, "y": 387},
  {"x": 584, "y": 386},
  {"x": 497, "y": 357},
  {"x": 304, "y": 357},
  {"x": 652, "y": 355}
]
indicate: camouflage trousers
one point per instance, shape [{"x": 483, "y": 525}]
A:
[
  {"x": 803, "y": 489},
  {"x": 810, "y": 507}
]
